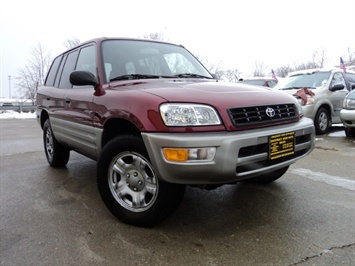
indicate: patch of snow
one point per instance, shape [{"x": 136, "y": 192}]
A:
[
  {"x": 338, "y": 181},
  {"x": 13, "y": 114},
  {"x": 337, "y": 134}
]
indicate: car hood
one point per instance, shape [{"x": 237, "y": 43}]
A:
[
  {"x": 294, "y": 91},
  {"x": 220, "y": 94}
]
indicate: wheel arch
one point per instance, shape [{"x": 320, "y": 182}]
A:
[
  {"x": 327, "y": 107},
  {"x": 44, "y": 116},
  {"x": 118, "y": 126}
]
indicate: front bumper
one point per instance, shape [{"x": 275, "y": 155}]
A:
[
  {"x": 348, "y": 117},
  {"x": 309, "y": 111},
  {"x": 239, "y": 155}
]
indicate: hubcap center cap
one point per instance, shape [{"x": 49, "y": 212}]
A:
[{"x": 135, "y": 180}]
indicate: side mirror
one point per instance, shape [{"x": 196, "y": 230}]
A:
[
  {"x": 337, "y": 87},
  {"x": 214, "y": 76},
  {"x": 81, "y": 78},
  {"x": 353, "y": 87}
]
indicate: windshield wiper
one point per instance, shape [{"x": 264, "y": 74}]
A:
[
  {"x": 135, "y": 76},
  {"x": 190, "y": 75}
]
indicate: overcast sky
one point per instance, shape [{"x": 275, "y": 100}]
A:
[{"x": 233, "y": 33}]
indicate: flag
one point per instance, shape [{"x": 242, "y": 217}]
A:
[
  {"x": 273, "y": 74},
  {"x": 342, "y": 65}
]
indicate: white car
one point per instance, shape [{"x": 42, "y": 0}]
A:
[
  {"x": 321, "y": 93},
  {"x": 347, "y": 114},
  {"x": 259, "y": 81}
]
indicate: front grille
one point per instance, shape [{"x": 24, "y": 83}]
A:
[{"x": 246, "y": 116}]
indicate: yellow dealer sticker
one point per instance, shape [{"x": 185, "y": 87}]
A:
[{"x": 281, "y": 145}]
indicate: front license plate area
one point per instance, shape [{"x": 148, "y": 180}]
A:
[{"x": 281, "y": 145}]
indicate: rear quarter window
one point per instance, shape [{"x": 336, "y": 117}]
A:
[{"x": 53, "y": 71}]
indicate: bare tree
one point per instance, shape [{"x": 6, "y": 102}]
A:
[
  {"x": 33, "y": 74},
  {"x": 283, "y": 71},
  {"x": 220, "y": 74},
  {"x": 351, "y": 57},
  {"x": 211, "y": 67},
  {"x": 158, "y": 36},
  {"x": 70, "y": 43},
  {"x": 318, "y": 59},
  {"x": 259, "y": 69},
  {"x": 231, "y": 75}
]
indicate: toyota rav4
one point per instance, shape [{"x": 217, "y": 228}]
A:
[{"x": 156, "y": 120}]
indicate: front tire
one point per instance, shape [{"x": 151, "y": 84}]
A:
[
  {"x": 129, "y": 186},
  {"x": 269, "y": 177},
  {"x": 350, "y": 132},
  {"x": 322, "y": 121},
  {"x": 56, "y": 153}
]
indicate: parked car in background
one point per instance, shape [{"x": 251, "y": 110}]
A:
[
  {"x": 321, "y": 93},
  {"x": 259, "y": 81},
  {"x": 347, "y": 114}
]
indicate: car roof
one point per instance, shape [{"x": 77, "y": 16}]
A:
[
  {"x": 101, "y": 39},
  {"x": 308, "y": 71}
]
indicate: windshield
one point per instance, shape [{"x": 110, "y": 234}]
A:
[
  {"x": 129, "y": 59},
  {"x": 308, "y": 80}
]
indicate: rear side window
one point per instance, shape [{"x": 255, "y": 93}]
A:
[
  {"x": 53, "y": 71},
  {"x": 68, "y": 68}
]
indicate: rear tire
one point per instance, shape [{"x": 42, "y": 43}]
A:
[
  {"x": 56, "y": 153},
  {"x": 269, "y": 177},
  {"x": 129, "y": 186},
  {"x": 322, "y": 121}
]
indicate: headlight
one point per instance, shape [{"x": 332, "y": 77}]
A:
[
  {"x": 310, "y": 100},
  {"x": 349, "y": 104},
  {"x": 181, "y": 114},
  {"x": 299, "y": 107}
]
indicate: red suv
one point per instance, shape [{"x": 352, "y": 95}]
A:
[{"x": 156, "y": 120}]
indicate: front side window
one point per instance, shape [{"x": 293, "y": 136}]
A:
[
  {"x": 87, "y": 60},
  {"x": 338, "y": 79}
]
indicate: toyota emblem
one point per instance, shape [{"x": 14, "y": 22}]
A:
[{"x": 270, "y": 112}]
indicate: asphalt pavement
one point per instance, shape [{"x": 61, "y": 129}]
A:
[{"x": 56, "y": 216}]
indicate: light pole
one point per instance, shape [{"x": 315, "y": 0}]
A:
[{"x": 10, "y": 87}]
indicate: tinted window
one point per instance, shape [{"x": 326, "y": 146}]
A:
[
  {"x": 68, "y": 68},
  {"x": 53, "y": 71}
]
